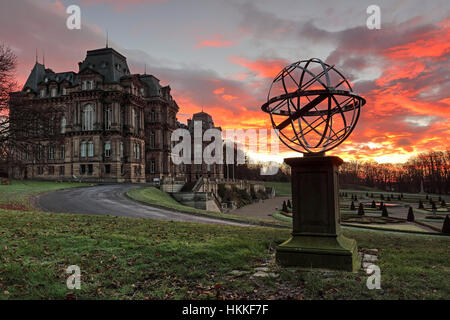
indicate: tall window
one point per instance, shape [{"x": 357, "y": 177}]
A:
[
  {"x": 90, "y": 149},
  {"x": 152, "y": 166},
  {"x": 152, "y": 115},
  {"x": 108, "y": 117},
  {"x": 84, "y": 85},
  {"x": 83, "y": 149},
  {"x": 51, "y": 152},
  {"x": 39, "y": 153},
  {"x": 53, "y": 92},
  {"x": 62, "y": 152},
  {"x": 137, "y": 150},
  {"x": 91, "y": 84},
  {"x": 88, "y": 118},
  {"x": 64, "y": 91},
  {"x": 121, "y": 149},
  {"x": 107, "y": 149},
  {"x": 42, "y": 93},
  {"x": 63, "y": 124},
  {"x": 152, "y": 139},
  {"x": 133, "y": 118}
]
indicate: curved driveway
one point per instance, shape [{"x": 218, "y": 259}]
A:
[{"x": 111, "y": 200}]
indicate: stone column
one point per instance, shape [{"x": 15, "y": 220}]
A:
[{"x": 317, "y": 240}]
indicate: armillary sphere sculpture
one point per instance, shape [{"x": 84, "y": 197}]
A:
[
  {"x": 314, "y": 109},
  {"x": 312, "y": 105}
]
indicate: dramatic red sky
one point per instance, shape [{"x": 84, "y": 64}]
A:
[{"x": 222, "y": 56}]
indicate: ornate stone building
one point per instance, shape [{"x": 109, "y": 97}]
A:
[
  {"x": 113, "y": 126},
  {"x": 195, "y": 171}
]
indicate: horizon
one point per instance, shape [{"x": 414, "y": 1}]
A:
[{"x": 225, "y": 66}]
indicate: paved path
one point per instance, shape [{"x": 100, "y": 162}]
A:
[
  {"x": 262, "y": 210},
  {"x": 111, "y": 200}
]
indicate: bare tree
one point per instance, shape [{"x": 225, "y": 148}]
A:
[
  {"x": 8, "y": 63},
  {"x": 27, "y": 130}
]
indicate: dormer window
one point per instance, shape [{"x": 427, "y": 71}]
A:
[
  {"x": 91, "y": 84},
  {"x": 46, "y": 80},
  {"x": 53, "y": 92},
  {"x": 64, "y": 91},
  {"x": 84, "y": 85},
  {"x": 42, "y": 93}
]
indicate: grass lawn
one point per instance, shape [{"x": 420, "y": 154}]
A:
[
  {"x": 17, "y": 195},
  {"x": 282, "y": 189},
  {"x": 130, "y": 258},
  {"x": 155, "y": 197},
  {"x": 126, "y": 258}
]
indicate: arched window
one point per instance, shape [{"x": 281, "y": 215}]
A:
[
  {"x": 63, "y": 124},
  {"x": 88, "y": 118}
]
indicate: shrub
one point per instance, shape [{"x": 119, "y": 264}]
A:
[
  {"x": 373, "y": 205},
  {"x": 381, "y": 205},
  {"x": 352, "y": 206},
  {"x": 421, "y": 204},
  {"x": 289, "y": 204},
  {"x": 443, "y": 203},
  {"x": 410, "y": 214},
  {"x": 361, "y": 209},
  {"x": 385, "y": 212},
  {"x": 446, "y": 225},
  {"x": 284, "y": 208}
]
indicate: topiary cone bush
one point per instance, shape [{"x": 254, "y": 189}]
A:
[
  {"x": 381, "y": 196},
  {"x": 361, "y": 209},
  {"x": 443, "y": 204},
  {"x": 381, "y": 205},
  {"x": 446, "y": 225},
  {"x": 289, "y": 204},
  {"x": 385, "y": 212},
  {"x": 373, "y": 205},
  {"x": 410, "y": 214},
  {"x": 356, "y": 197},
  {"x": 284, "y": 208},
  {"x": 352, "y": 206},
  {"x": 433, "y": 206},
  {"x": 421, "y": 204},
  {"x": 426, "y": 197}
]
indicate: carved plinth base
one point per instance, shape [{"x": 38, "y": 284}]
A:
[{"x": 317, "y": 240}]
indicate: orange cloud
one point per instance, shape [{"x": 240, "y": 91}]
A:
[
  {"x": 217, "y": 41},
  {"x": 268, "y": 68}
]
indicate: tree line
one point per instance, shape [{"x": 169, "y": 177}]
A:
[{"x": 428, "y": 172}]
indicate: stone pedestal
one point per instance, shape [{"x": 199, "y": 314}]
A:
[{"x": 317, "y": 240}]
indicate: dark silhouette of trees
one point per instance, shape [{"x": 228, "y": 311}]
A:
[
  {"x": 27, "y": 132},
  {"x": 430, "y": 169}
]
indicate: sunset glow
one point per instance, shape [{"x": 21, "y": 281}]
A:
[{"x": 226, "y": 64}]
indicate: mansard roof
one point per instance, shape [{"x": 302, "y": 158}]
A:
[
  {"x": 39, "y": 74},
  {"x": 106, "y": 61}
]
